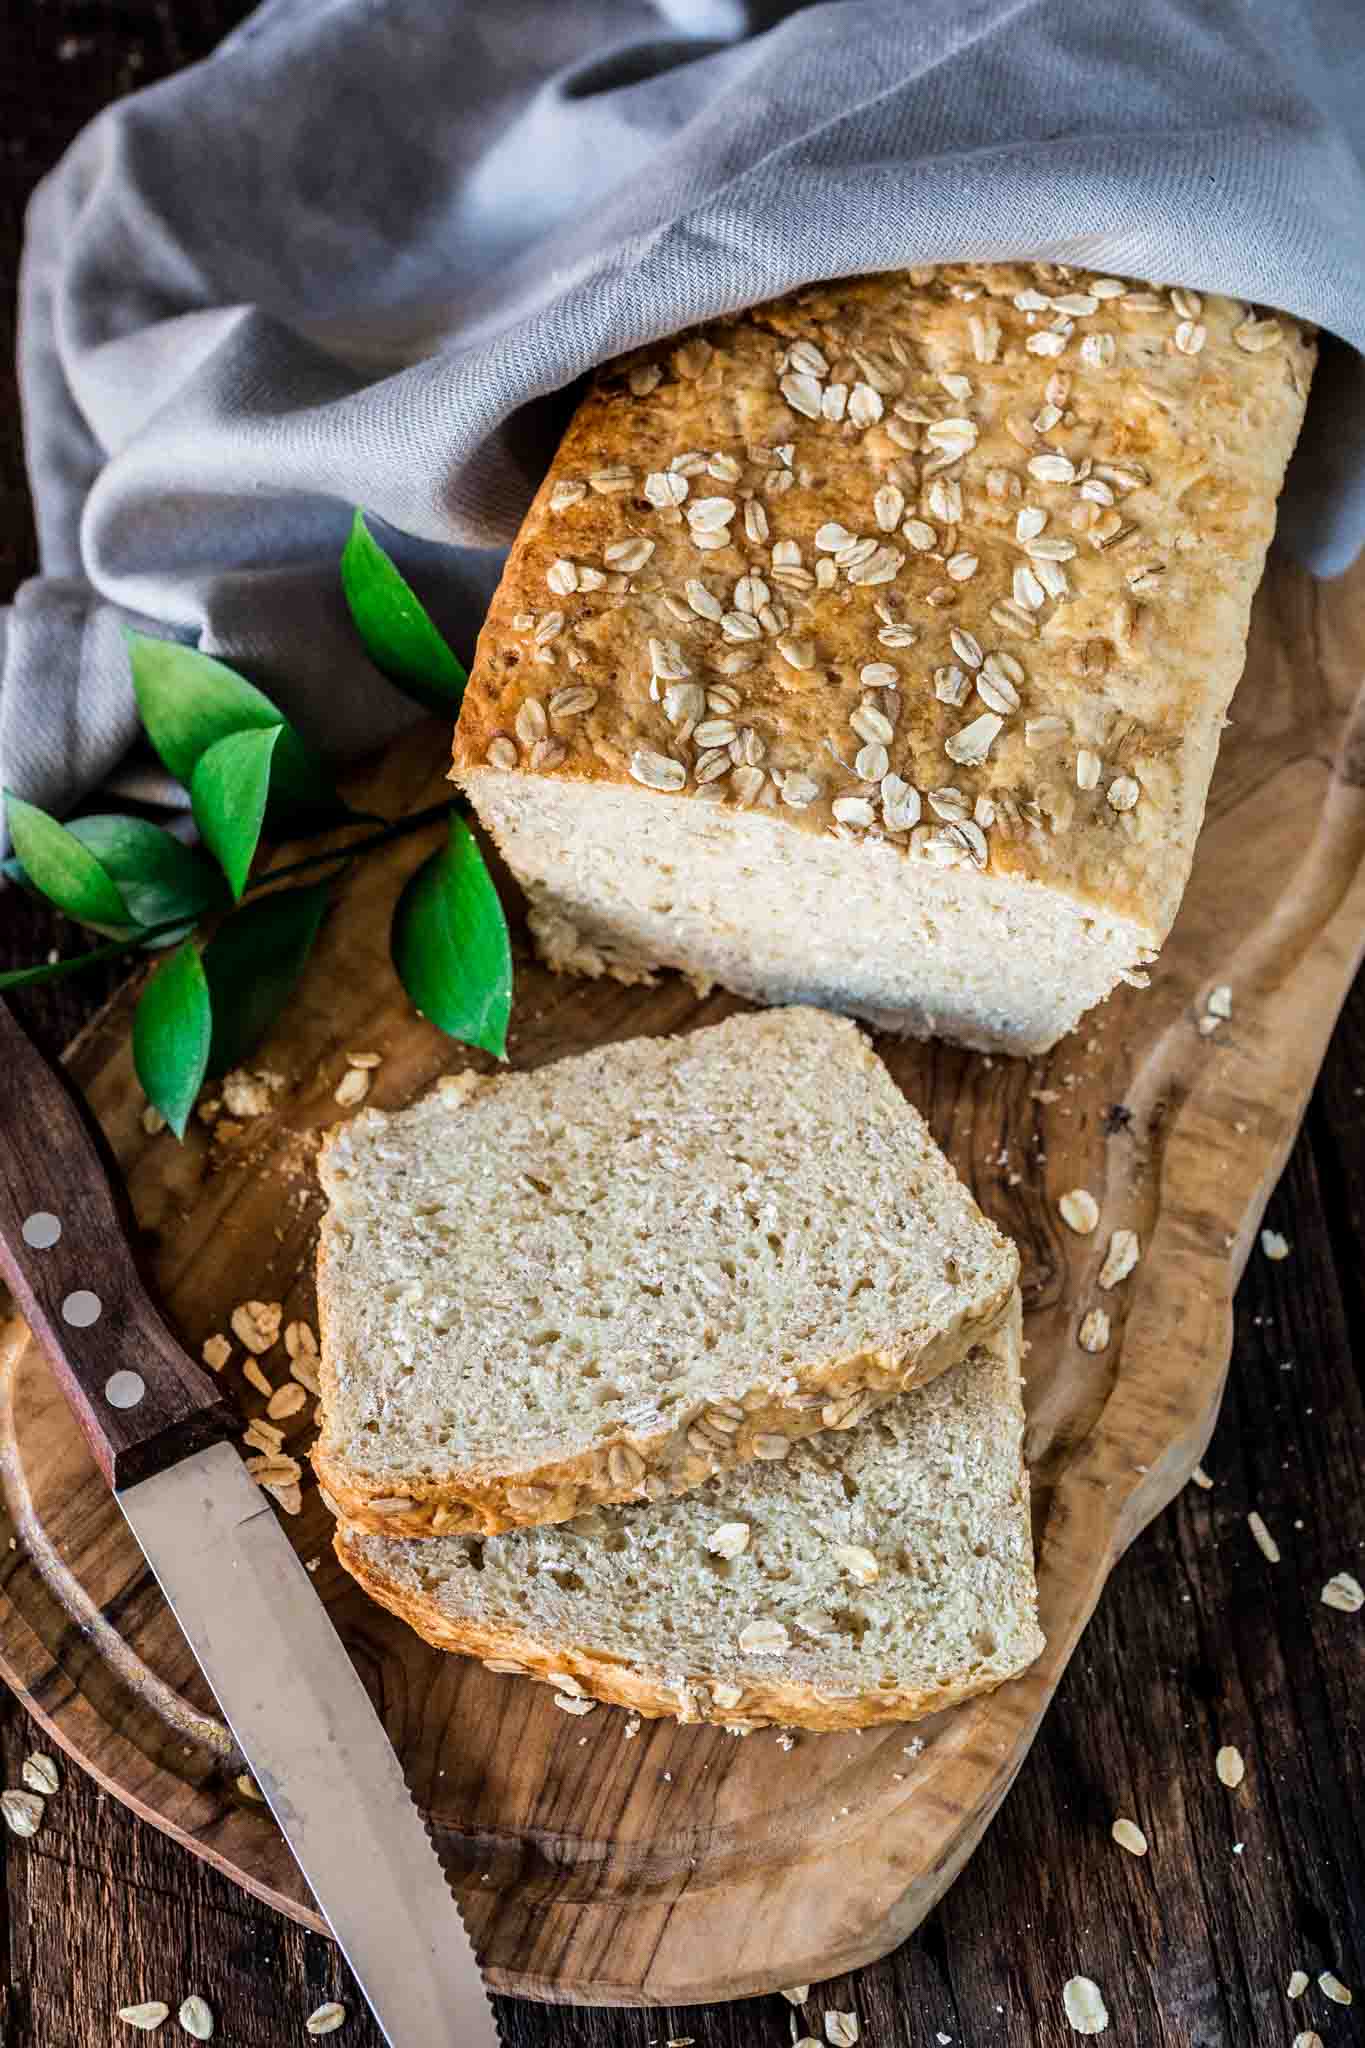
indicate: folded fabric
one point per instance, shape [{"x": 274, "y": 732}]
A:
[{"x": 360, "y": 255}]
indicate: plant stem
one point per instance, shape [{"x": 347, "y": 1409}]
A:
[
  {"x": 399, "y": 830},
  {"x": 57, "y": 970}
]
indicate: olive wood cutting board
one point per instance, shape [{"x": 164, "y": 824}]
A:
[{"x": 602, "y": 1862}]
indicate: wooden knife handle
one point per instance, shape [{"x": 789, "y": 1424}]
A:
[{"x": 66, "y": 1253}]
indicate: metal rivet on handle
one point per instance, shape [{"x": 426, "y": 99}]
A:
[
  {"x": 81, "y": 1309},
  {"x": 124, "y": 1389},
  {"x": 42, "y": 1229}
]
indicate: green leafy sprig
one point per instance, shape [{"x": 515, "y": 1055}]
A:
[{"x": 251, "y": 776}]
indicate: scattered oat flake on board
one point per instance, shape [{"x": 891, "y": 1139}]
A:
[
  {"x": 1201, "y": 1478},
  {"x": 1125, "y": 1249},
  {"x": 196, "y": 2017},
  {"x": 796, "y": 1994},
  {"x": 1308, "y": 2039},
  {"x": 1297, "y": 1985},
  {"x": 215, "y": 1351},
  {"x": 1129, "y": 1836},
  {"x": 841, "y": 2029},
  {"x": 146, "y": 2017},
  {"x": 1085, "y": 2007},
  {"x": 22, "y": 1812},
  {"x": 1094, "y": 1331},
  {"x": 1219, "y": 1002},
  {"x": 352, "y": 1088},
  {"x": 1344, "y": 1593},
  {"x": 1079, "y": 1211},
  {"x": 1332, "y": 1987},
  {"x": 1229, "y": 1766},
  {"x": 326, "y": 2019},
  {"x": 1265, "y": 1542},
  {"x": 254, "y": 1377},
  {"x": 1274, "y": 1245},
  {"x": 249, "y": 1789},
  {"x": 257, "y": 1324},
  {"x": 40, "y": 1774}
]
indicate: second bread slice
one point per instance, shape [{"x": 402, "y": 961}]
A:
[
  {"x": 611, "y": 1278},
  {"x": 876, "y": 1574}
]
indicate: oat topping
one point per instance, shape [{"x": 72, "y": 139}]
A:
[
  {"x": 22, "y": 1812},
  {"x": 1124, "y": 1251},
  {"x": 1085, "y": 2007},
  {"x": 147, "y": 2016},
  {"x": 215, "y": 1352},
  {"x": 842, "y": 2029},
  {"x": 764, "y": 1638},
  {"x": 257, "y": 1324},
  {"x": 196, "y": 2018},
  {"x": 998, "y": 512},
  {"x": 1229, "y": 1766},
  {"x": 1332, "y": 1987},
  {"x": 728, "y": 1541},
  {"x": 1079, "y": 1211},
  {"x": 1093, "y": 1334},
  {"x": 325, "y": 2019},
  {"x": 1129, "y": 1836},
  {"x": 1297, "y": 1985},
  {"x": 1344, "y": 1593},
  {"x": 40, "y": 1774}
]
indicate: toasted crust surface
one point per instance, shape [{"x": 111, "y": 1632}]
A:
[
  {"x": 956, "y": 560},
  {"x": 687, "y": 1201},
  {"x": 954, "y": 1611}
]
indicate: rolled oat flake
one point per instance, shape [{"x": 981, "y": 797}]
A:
[
  {"x": 1085, "y": 2007},
  {"x": 196, "y": 2018}
]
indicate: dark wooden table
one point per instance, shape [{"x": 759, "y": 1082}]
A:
[{"x": 1198, "y": 1641}]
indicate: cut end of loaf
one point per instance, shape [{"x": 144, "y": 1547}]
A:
[
  {"x": 623, "y": 882},
  {"x": 875, "y": 1575},
  {"x": 871, "y": 647},
  {"x": 609, "y": 1279}
]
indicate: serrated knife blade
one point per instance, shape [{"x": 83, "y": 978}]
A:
[{"x": 315, "y": 1745}]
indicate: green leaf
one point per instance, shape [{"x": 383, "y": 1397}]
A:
[
  {"x": 172, "y": 1031},
  {"x": 68, "y": 874},
  {"x": 399, "y": 635},
  {"x": 450, "y": 944},
  {"x": 252, "y": 963},
  {"x": 188, "y": 701},
  {"x": 228, "y": 789},
  {"x": 159, "y": 877}
]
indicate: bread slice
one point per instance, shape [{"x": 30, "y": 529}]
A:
[
  {"x": 871, "y": 648},
  {"x": 612, "y": 1277},
  {"x": 873, "y": 1575}
]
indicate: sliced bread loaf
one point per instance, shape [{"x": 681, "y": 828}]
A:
[
  {"x": 876, "y": 1574},
  {"x": 610, "y": 1278}
]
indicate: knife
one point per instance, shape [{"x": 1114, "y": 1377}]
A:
[{"x": 161, "y": 1434}]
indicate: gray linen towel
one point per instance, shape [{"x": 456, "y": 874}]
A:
[{"x": 358, "y": 256}]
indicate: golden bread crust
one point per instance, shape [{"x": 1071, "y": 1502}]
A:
[{"x": 1055, "y": 503}]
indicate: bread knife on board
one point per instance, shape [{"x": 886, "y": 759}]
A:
[{"x": 161, "y": 1434}]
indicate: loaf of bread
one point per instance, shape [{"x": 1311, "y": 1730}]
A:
[
  {"x": 873, "y": 1575},
  {"x": 871, "y": 649},
  {"x": 610, "y": 1278}
]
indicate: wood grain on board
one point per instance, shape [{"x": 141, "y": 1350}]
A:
[{"x": 682, "y": 1864}]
